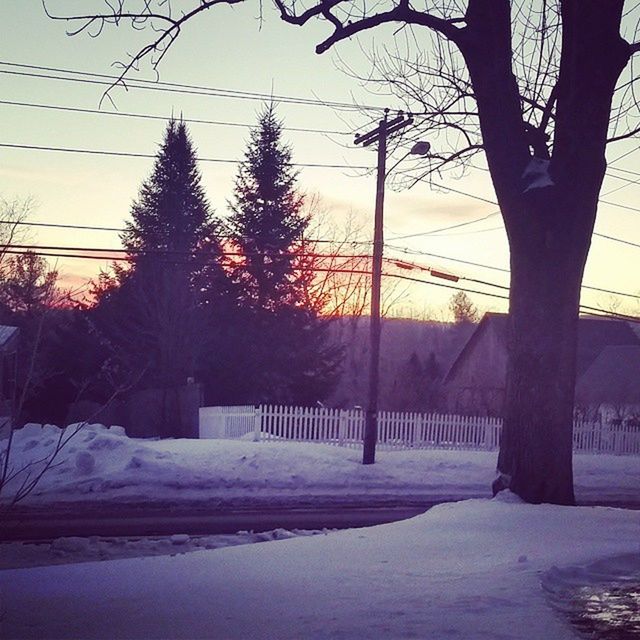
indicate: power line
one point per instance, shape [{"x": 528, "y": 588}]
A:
[
  {"x": 133, "y": 154},
  {"x": 601, "y": 312},
  {"x": 624, "y": 155},
  {"x": 323, "y": 241},
  {"x": 307, "y": 254},
  {"x": 223, "y": 236},
  {"x": 57, "y": 225},
  {"x": 172, "y": 87},
  {"x": 602, "y": 235},
  {"x": 464, "y": 193},
  {"x": 453, "y": 226},
  {"x": 147, "y": 116},
  {"x": 502, "y": 270},
  {"x": 615, "y": 314},
  {"x": 435, "y": 255},
  {"x": 55, "y": 254},
  {"x": 176, "y": 252},
  {"x": 620, "y": 206},
  {"x": 468, "y": 233},
  {"x": 158, "y": 85},
  {"x": 613, "y": 204}
]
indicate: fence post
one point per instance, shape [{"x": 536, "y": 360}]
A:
[
  {"x": 617, "y": 440},
  {"x": 257, "y": 423},
  {"x": 488, "y": 433},
  {"x": 342, "y": 423}
]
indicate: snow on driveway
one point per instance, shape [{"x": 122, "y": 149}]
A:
[
  {"x": 104, "y": 464},
  {"x": 467, "y": 570}
]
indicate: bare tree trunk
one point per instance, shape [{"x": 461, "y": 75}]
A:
[
  {"x": 549, "y": 222},
  {"x": 536, "y": 450}
]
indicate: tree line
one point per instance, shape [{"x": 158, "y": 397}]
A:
[
  {"x": 241, "y": 305},
  {"x": 229, "y": 303}
]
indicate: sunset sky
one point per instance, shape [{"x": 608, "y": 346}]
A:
[{"x": 226, "y": 49}]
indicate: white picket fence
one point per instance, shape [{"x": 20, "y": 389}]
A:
[
  {"x": 396, "y": 430},
  {"x": 593, "y": 437},
  {"x": 227, "y": 422}
]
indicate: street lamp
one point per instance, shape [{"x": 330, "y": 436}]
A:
[
  {"x": 380, "y": 134},
  {"x": 420, "y": 148}
]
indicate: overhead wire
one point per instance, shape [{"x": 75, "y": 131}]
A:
[
  {"x": 305, "y": 254},
  {"x": 503, "y": 270},
  {"x": 453, "y": 226},
  {"x": 596, "y": 310},
  {"x": 87, "y": 77},
  {"x": 148, "y": 116},
  {"x": 133, "y": 154},
  {"x": 405, "y": 250},
  {"x": 254, "y": 95}
]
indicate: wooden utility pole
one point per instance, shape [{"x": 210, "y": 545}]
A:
[{"x": 380, "y": 135}]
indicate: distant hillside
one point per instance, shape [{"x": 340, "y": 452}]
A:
[{"x": 403, "y": 380}]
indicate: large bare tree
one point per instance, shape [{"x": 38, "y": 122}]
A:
[{"x": 539, "y": 87}]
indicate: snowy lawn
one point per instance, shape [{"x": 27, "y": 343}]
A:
[
  {"x": 104, "y": 464},
  {"x": 467, "y": 570}
]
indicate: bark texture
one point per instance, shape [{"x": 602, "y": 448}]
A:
[{"x": 549, "y": 225}]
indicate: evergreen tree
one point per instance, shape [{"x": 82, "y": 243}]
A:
[
  {"x": 283, "y": 343},
  {"x": 172, "y": 213},
  {"x": 151, "y": 309},
  {"x": 417, "y": 384},
  {"x": 463, "y": 309},
  {"x": 266, "y": 219}
]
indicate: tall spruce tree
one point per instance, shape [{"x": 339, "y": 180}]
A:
[
  {"x": 267, "y": 220},
  {"x": 285, "y": 344},
  {"x": 152, "y": 309}
]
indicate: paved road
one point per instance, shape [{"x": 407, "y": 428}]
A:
[
  {"x": 40, "y": 523},
  {"x": 141, "y": 522}
]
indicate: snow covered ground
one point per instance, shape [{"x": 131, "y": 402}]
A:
[
  {"x": 103, "y": 464},
  {"x": 472, "y": 569},
  {"x": 468, "y": 570}
]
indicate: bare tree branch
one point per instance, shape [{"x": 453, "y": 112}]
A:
[
  {"x": 402, "y": 12},
  {"x": 156, "y": 49}
]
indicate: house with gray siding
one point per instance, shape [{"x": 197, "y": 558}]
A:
[{"x": 475, "y": 382}]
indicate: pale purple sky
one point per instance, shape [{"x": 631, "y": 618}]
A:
[{"x": 226, "y": 49}]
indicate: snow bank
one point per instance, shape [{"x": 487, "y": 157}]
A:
[
  {"x": 469, "y": 570},
  {"x": 73, "y": 549},
  {"x": 104, "y": 464}
]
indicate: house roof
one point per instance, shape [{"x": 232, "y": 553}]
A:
[
  {"x": 613, "y": 377},
  {"x": 8, "y": 335},
  {"x": 594, "y": 334},
  {"x": 489, "y": 319}
]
